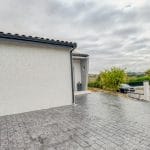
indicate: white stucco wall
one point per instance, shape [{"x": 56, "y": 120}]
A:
[
  {"x": 77, "y": 72},
  {"x": 33, "y": 77}
]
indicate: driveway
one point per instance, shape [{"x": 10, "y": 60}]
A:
[{"x": 98, "y": 122}]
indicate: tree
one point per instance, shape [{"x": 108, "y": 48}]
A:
[
  {"x": 147, "y": 72},
  {"x": 111, "y": 79}
]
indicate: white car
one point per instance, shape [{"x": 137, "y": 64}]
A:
[{"x": 125, "y": 88}]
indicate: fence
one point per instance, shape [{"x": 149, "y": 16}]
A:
[
  {"x": 134, "y": 95},
  {"x": 141, "y": 92}
]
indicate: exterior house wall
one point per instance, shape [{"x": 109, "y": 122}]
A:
[
  {"x": 81, "y": 68},
  {"x": 77, "y": 73},
  {"x": 84, "y": 72},
  {"x": 33, "y": 77}
]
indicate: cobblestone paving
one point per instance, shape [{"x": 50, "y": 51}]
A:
[{"x": 98, "y": 122}]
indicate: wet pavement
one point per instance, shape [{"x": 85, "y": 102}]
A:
[{"x": 98, "y": 122}]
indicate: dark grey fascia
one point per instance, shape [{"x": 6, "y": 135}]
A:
[{"x": 80, "y": 55}]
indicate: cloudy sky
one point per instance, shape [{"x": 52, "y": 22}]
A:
[{"x": 112, "y": 32}]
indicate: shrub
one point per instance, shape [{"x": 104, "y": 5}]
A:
[{"x": 111, "y": 79}]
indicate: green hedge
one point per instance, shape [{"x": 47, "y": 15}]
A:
[
  {"x": 135, "y": 83},
  {"x": 138, "y": 81},
  {"x": 94, "y": 84}
]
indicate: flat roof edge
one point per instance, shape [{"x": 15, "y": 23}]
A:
[{"x": 80, "y": 54}]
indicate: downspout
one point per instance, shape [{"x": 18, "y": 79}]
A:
[{"x": 71, "y": 63}]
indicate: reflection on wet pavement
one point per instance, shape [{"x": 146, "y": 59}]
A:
[{"x": 98, "y": 122}]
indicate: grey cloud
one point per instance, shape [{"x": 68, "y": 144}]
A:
[
  {"x": 110, "y": 33},
  {"x": 127, "y": 31},
  {"x": 144, "y": 13},
  {"x": 142, "y": 40},
  {"x": 88, "y": 38}
]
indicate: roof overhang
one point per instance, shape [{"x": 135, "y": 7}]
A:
[{"x": 39, "y": 40}]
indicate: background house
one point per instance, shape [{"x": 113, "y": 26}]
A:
[{"x": 80, "y": 71}]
